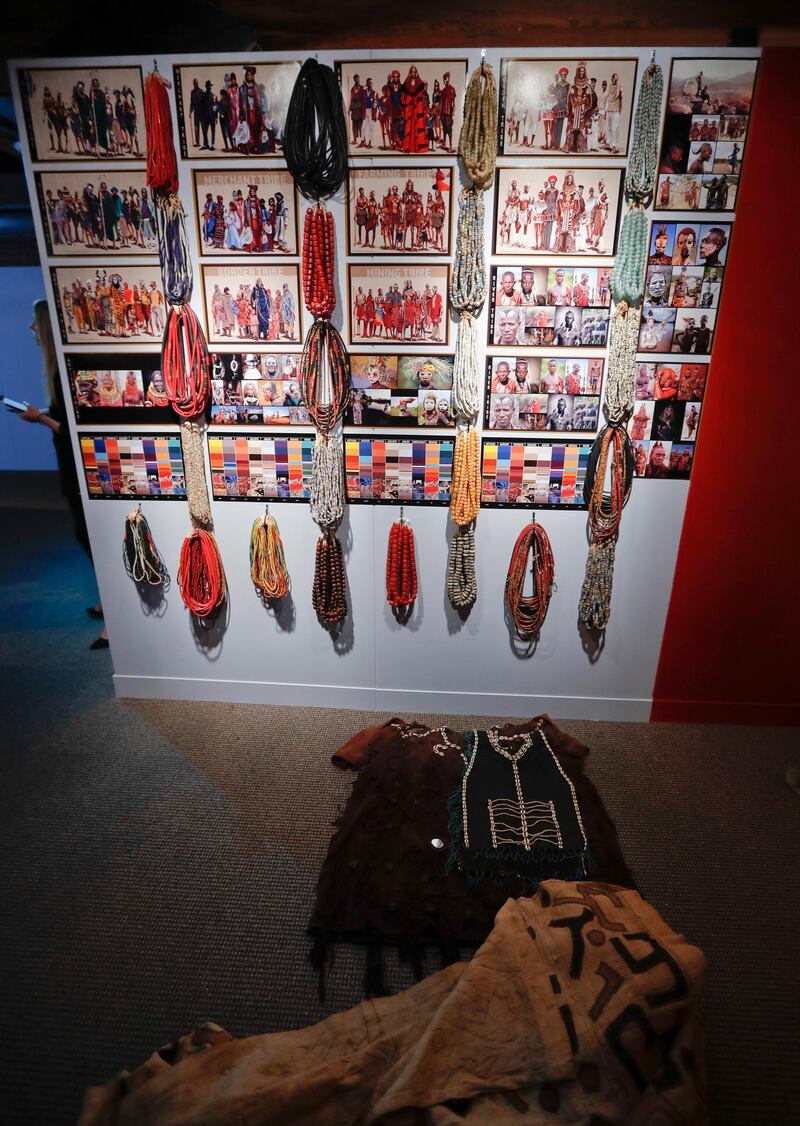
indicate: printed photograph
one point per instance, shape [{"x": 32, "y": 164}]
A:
[
  {"x": 84, "y": 113},
  {"x": 255, "y": 388},
  {"x": 258, "y": 303},
  {"x": 405, "y": 107},
  {"x": 557, "y": 210},
  {"x": 692, "y": 384},
  {"x": 656, "y": 328},
  {"x": 246, "y": 212},
  {"x": 106, "y": 389},
  {"x": 226, "y": 108},
  {"x": 404, "y": 470},
  {"x": 401, "y": 391},
  {"x": 576, "y": 106},
  {"x": 399, "y": 210},
  {"x": 694, "y": 333},
  {"x": 103, "y": 304},
  {"x": 689, "y": 244},
  {"x": 524, "y": 394},
  {"x": 261, "y": 467},
  {"x": 534, "y": 474},
  {"x": 120, "y": 466},
  {"x": 705, "y": 127},
  {"x": 399, "y": 303},
  {"x": 540, "y": 306},
  {"x": 97, "y": 212}
]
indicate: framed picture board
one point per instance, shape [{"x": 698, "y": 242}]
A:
[
  {"x": 245, "y": 212},
  {"x": 543, "y": 393},
  {"x": 108, "y": 387},
  {"x": 580, "y": 107},
  {"x": 261, "y": 467},
  {"x": 557, "y": 211},
  {"x": 95, "y": 212},
  {"x": 130, "y": 466},
  {"x": 84, "y": 113},
  {"x": 105, "y": 303},
  {"x": 549, "y": 306},
  {"x": 390, "y": 470},
  {"x": 399, "y": 304},
  {"x": 519, "y": 473},
  {"x": 704, "y": 140},
  {"x": 233, "y": 109},
  {"x": 403, "y": 107},
  {"x": 406, "y": 211},
  {"x": 400, "y": 390},
  {"x": 258, "y": 303}
]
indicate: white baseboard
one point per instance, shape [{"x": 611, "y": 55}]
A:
[{"x": 380, "y": 699}]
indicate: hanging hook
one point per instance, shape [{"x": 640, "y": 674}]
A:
[
  {"x": 266, "y": 511},
  {"x": 483, "y": 60},
  {"x": 402, "y": 514},
  {"x": 155, "y": 66},
  {"x": 652, "y": 56}
]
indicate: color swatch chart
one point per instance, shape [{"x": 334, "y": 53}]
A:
[
  {"x": 261, "y": 468},
  {"x": 536, "y": 474},
  {"x": 398, "y": 470},
  {"x": 119, "y": 466}
]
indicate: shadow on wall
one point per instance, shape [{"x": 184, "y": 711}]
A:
[{"x": 22, "y": 445}]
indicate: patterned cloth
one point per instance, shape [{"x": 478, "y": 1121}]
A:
[{"x": 579, "y": 1007}]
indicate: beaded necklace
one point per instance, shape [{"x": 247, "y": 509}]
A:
[
  {"x": 401, "y": 567},
  {"x": 528, "y": 612}
]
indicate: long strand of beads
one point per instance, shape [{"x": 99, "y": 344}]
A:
[
  {"x": 477, "y": 142},
  {"x": 327, "y": 482},
  {"x": 401, "y": 567},
  {"x": 462, "y": 581},
  {"x": 529, "y": 611},
  {"x": 267, "y": 562},
  {"x": 142, "y": 560},
  {"x": 329, "y": 596},
  {"x": 465, "y": 498}
]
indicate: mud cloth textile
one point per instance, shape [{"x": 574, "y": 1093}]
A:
[{"x": 579, "y": 1007}]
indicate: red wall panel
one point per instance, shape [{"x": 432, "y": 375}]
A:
[{"x": 730, "y": 647}]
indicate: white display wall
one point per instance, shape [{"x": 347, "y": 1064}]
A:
[{"x": 440, "y": 660}]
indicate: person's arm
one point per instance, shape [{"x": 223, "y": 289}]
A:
[{"x": 33, "y": 414}]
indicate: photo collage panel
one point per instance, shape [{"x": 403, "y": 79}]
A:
[
  {"x": 404, "y": 470},
  {"x": 685, "y": 271},
  {"x": 231, "y": 108},
  {"x": 106, "y": 304},
  {"x": 399, "y": 303},
  {"x": 666, "y": 418},
  {"x": 245, "y": 212},
  {"x": 84, "y": 113},
  {"x": 557, "y": 210},
  {"x": 705, "y": 134},
  {"x": 546, "y": 393},
  {"x": 108, "y": 388},
  {"x": 261, "y": 468},
  {"x": 581, "y": 107},
  {"x": 399, "y": 210},
  {"x": 534, "y": 474},
  {"x": 550, "y": 306},
  {"x": 404, "y": 391},
  {"x": 103, "y": 211},
  {"x": 121, "y": 466},
  {"x": 257, "y": 388},
  {"x": 403, "y": 107}
]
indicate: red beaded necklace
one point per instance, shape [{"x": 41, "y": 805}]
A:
[
  {"x": 401, "y": 566},
  {"x": 319, "y": 290},
  {"x": 529, "y": 612}
]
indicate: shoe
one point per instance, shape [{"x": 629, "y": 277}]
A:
[
  {"x": 99, "y": 643},
  {"x": 93, "y": 612}
]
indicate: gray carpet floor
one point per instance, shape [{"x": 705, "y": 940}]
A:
[{"x": 158, "y": 860}]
